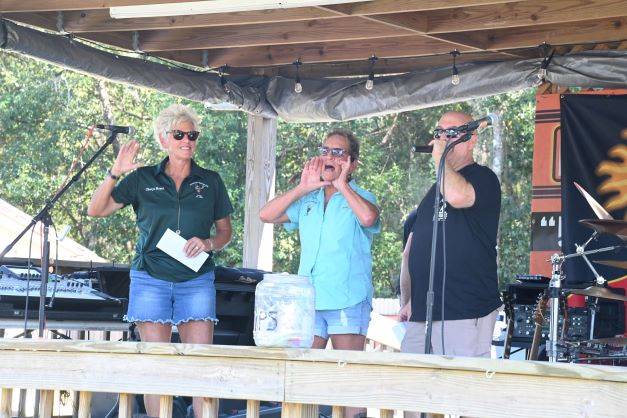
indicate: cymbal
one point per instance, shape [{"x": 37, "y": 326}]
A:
[
  {"x": 597, "y": 208},
  {"x": 613, "y": 341},
  {"x": 608, "y": 226},
  {"x": 598, "y": 292},
  {"x": 613, "y": 263}
]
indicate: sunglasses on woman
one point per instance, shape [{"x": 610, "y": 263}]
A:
[
  {"x": 335, "y": 152},
  {"x": 178, "y": 135}
]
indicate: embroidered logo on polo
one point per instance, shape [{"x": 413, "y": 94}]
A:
[
  {"x": 154, "y": 189},
  {"x": 198, "y": 186},
  {"x": 309, "y": 207}
]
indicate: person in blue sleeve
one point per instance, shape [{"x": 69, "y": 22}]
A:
[
  {"x": 179, "y": 195},
  {"x": 336, "y": 220}
]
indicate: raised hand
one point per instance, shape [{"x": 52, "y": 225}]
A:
[
  {"x": 342, "y": 179},
  {"x": 125, "y": 160},
  {"x": 438, "y": 149},
  {"x": 310, "y": 177}
]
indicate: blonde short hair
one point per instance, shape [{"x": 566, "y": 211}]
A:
[{"x": 173, "y": 115}]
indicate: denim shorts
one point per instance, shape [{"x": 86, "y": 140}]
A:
[
  {"x": 351, "y": 320},
  {"x": 164, "y": 302}
]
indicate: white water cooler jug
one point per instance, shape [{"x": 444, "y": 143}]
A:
[{"x": 284, "y": 311}]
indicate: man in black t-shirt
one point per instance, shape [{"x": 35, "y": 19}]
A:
[{"x": 470, "y": 286}]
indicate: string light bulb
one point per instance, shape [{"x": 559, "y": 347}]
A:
[
  {"x": 370, "y": 82},
  {"x": 298, "y": 87},
  {"x": 455, "y": 73}
]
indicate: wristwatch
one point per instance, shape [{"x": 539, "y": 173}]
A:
[{"x": 113, "y": 176}]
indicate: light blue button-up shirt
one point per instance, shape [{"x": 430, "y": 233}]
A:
[{"x": 335, "y": 248}]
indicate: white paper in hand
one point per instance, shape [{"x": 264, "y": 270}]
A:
[{"x": 172, "y": 244}]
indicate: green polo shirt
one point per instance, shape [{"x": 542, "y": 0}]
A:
[{"x": 201, "y": 199}]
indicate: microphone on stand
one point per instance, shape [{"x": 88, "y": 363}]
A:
[
  {"x": 128, "y": 130},
  {"x": 422, "y": 149},
  {"x": 489, "y": 120}
]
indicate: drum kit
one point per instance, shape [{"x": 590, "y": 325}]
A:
[{"x": 604, "y": 350}]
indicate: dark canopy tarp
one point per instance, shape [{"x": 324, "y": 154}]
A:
[{"x": 321, "y": 100}]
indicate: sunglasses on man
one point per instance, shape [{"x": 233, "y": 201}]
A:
[
  {"x": 334, "y": 152},
  {"x": 450, "y": 133},
  {"x": 178, "y": 135}
]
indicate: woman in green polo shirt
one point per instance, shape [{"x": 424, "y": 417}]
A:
[{"x": 179, "y": 195}]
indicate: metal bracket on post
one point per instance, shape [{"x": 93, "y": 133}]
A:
[{"x": 61, "y": 23}]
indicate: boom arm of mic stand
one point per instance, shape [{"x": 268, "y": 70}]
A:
[
  {"x": 44, "y": 217},
  {"x": 50, "y": 203},
  {"x": 434, "y": 240}
]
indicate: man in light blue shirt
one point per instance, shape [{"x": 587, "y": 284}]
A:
[{"x": 336, "y": 220}]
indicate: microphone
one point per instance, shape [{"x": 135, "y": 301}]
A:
[
  {"x": 422, "y": 149},
  {"x": 128, "y": 130},
  {"x": 489, "y": 120}
]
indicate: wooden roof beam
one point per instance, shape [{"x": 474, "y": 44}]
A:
[
  {"x": 592, "y": 31},
  {"x": 365, "y": 8},
  {"x": 325, "y": 30},
  {"x": 100, "y": 21},
  {"x": 56, "y": 5},
  {"x": 522, "y": 13},
  {"x": 409, "y": 46},
  {"x": 401, "y": 6}
]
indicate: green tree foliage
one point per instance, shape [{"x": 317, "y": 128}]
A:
[{"x": 44, "y": 111}]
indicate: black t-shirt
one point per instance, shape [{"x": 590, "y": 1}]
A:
[{"x": 471, "y": 272}]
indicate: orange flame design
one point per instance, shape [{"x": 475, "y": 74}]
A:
[{"x": 617, "y": 181}]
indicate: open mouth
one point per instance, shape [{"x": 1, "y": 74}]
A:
[{"x": 329, "y": 168}]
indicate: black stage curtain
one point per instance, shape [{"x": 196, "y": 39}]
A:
[{"x": 594, "y": 133}]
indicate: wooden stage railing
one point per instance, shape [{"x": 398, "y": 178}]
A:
[{"x": 303, "y": 378}]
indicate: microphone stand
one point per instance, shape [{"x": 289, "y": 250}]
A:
[
  {"x": 44, "y": 217},
  {"x": 434, "y": 241}
]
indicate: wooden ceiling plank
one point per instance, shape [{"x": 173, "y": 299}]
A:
[
  {"x": 401, "y": 6},
  {"x": 365, "y": 8},
  {"x": 318, "y": 52},
  {"x": 101, "y": 21},
  {"x": 523, "y": 13},
  {"x": 9, "y": 6},
  {"x": 593, "y": 31},
  {"x": 324, "y": 30},
  {"x": 417, "y": 23}
]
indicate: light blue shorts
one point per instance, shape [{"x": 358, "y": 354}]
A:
[
  {"x": 156, "y": 300},
  {"x": 351, "y": 320}
]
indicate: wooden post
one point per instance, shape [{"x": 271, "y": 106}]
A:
[
  {"x": 299, "y": 410},
  {"x": 386, "y": 413},
  {"x": 252, "y": 409},
  {"x": 260, "y": 173},
  {"x": 165, "y": 406},
  {"x": 337, "y": 412},
  {"x": 5, "y": 403},
  {"x": 209, "y": 408},
  {"x": 84, "y": 404},
  {"x": 46, "y": 402},
  {"x": 125, "y": 409}
]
